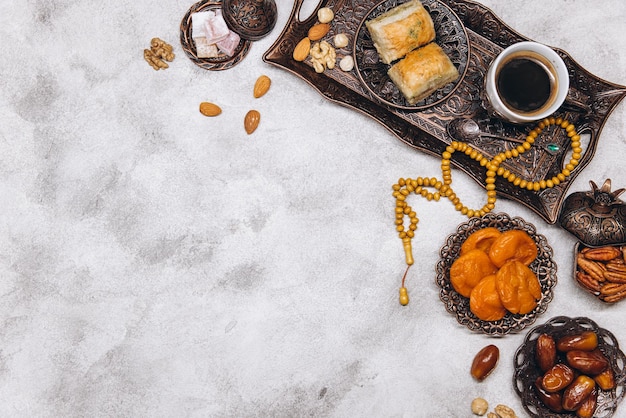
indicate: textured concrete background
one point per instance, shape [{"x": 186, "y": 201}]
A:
[{"x": 157, "y": 263}]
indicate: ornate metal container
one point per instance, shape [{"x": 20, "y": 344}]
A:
[
  {"x": 597, "y": 217},
  {"x": 250, "y": 19}
]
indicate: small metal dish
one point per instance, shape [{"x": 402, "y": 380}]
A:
[
  {"x": 451, "y": 37},
  {"x": 543, "y": 266},
  {"x": 526, "y": 371},
  {"x": 250, "y": 19},
  {"x": 222, "y": 61},
  {"x": 605, "y": 279}
]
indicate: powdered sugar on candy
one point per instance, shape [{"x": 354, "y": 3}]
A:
[{"x": 211, "y": 34}]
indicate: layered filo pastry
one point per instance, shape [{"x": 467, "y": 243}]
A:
[
  {"x": 400, "y": 30},
  {"x": 422, "y": 71}
]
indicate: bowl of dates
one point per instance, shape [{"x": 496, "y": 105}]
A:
[{"x": 570, "y": 367}]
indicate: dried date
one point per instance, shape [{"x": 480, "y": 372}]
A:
[
  {"x": 484, "y": 362},
  {"x": 587, "y": 362},
  {"x": 545, "y": 352},
  {"x": 557, "y": 378},
  {"x": 586, "y": 341},
  {"x": 552, "y": 400},
  {"x": 577, "y": 392},
  {"x": 606, "y": 379}
]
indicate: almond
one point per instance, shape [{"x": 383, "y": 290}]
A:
[
  {"x": 261, "y": 86},
  {"x": 251, "y": 121},
  {"x": 210, "y": 109},
  {"x": 318, "y": 31},
  {"x": 301, "y": 51}
]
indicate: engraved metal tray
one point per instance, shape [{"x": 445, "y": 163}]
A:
[{"x": 591, "y": 100}]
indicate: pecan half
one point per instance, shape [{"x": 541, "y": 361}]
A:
[{"x": 602, "y": 253}]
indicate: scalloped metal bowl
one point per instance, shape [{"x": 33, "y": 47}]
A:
[
  {"x": 526, "y": 372},
  {"x": 222, "y": 61},
  {"x": 543, "y": 266}
]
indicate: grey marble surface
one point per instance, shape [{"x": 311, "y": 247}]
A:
[{"x": 157, "y": 263}]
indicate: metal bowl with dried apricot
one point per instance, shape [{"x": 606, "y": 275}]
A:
[
  {"x": 496, "y": 274},
  {"x": 570, "y": 367}
]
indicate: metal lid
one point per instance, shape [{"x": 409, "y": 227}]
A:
[
  {"x": 597, "y": 217},
  {"x": 250, "y": 19}
]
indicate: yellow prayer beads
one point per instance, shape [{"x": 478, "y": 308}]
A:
[{"x": 421, "y": 185}]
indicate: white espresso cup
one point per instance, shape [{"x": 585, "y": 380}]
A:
[{"x": 526, "y": 82}]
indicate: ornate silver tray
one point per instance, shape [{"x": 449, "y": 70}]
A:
[
  {"x": 459, "y": 306},
  {"x": 591, "y": 100}
]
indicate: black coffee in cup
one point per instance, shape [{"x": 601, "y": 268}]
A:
[{"x": 526, "y": 82}]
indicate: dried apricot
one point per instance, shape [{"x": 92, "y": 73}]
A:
[
  {"x": 518, "y": 287},
  {"x": 469, "y": 269},
  {"x": 485, "y": 302},
  {"x": 514, "y": 244},
  {"x": 481, "y": 240}
]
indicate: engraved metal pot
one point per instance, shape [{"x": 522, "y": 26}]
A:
[
  {"x": 597, "y": 217},
  {"x": 250, "y": 19}
]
